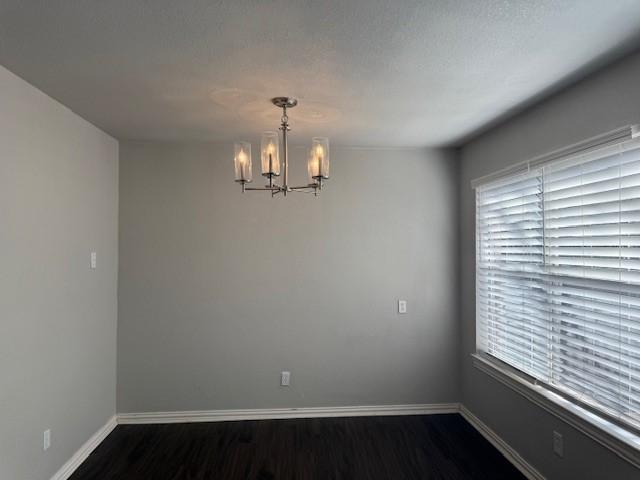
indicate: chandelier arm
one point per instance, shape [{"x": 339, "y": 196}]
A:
[
  {"x": 310, "y": 189},
  {"x": 311, "y": 192},
  {"x": 265, "y": 189}
]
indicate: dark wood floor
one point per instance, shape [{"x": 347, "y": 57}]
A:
[{"x": 412, "y": 447}]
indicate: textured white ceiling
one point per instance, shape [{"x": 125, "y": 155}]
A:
[{"x": 381, "y": 73}]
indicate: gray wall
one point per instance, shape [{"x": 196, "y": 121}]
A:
[
  {"x": 58, "y": 318},
  {"x": 605, "y": 101},
  {"x": 220, "y": 291}
]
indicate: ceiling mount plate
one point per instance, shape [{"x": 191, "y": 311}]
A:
[{"x": 284, "y": 102}]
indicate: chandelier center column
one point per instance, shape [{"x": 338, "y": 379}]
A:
[{"x": 284, "y": 126}]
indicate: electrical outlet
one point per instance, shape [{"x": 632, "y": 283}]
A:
[
  {"x": 402, "y": 306},
  {"x": 46, "y": 440},
  {"x": 558, "y": 444},
  {"x": 285, "y": 378},
  {"x": 94, "y": 260}
]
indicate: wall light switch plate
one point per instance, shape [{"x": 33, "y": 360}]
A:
[
  {"x": 402, "y": 306},
  {"x": 285, "y": 378},
  {"x": 558, "y": 444},
  {"x": 94, "y": 260},
  {"x": 46, "y": 440}
]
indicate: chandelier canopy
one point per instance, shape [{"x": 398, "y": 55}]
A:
[{"x": 317, "y": 161}]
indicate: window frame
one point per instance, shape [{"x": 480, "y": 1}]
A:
[{"x": 615, "y": 434}]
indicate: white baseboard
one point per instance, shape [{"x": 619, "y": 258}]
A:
[
  {"x": 275, "y": 413},
  {"x": 510, "y": 454},
  {"x": 85, "y": 450}
]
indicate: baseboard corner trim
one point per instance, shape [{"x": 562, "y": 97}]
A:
[
  {"x": 282, "y": 413},
  {"x": 85, "y": 450},
  {"x": 503, "y": 447}
]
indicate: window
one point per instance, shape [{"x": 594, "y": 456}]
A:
[{"x": 558, "y": 276}]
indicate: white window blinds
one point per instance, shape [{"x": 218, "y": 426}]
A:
[{"x": 558, "y": 276}]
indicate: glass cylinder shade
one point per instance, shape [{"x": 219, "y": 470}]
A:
[
  {"x": 269, "y": 153},
  {"x": 318, "y": 164},
  {"x": 242, "y": 162}
]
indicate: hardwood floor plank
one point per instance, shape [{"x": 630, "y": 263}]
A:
[{"x": 430, "y": 447}]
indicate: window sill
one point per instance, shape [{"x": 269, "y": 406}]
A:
[{"x": 622, "y": 442}]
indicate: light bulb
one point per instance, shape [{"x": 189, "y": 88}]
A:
[
  {"x": 242, "y": 161},
  {"x": 313, "y": 167},
  {"x": 320, "y": 152},
  {"x": 269, "y": 154},
  {"x": 242, "y": 158}
]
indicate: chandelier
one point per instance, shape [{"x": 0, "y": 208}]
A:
[{"x": 317, "y": 161}]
